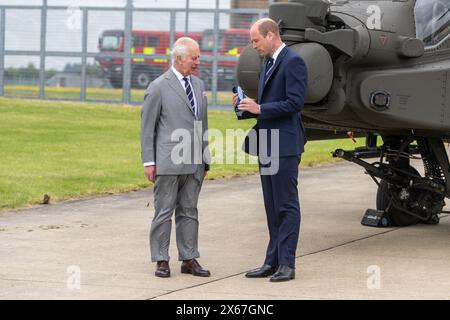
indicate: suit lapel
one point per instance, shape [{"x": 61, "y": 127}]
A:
[
  {"x": 175, "y": 84},
  {"x": 274, "y": 69},
  {"x": 261, "y": 81},
  {"x": 198, "y": 96}
]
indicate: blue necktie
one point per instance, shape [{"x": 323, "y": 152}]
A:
[
  {"x": 190, "y": 94},
  {"x": 269, "y": 65}
]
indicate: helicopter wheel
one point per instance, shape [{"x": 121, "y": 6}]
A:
[{"x": 420, "y": 202}]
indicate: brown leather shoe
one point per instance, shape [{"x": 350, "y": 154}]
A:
[
  {"x": 162, "y": 269},
  {"x": 193, "y": 267}
]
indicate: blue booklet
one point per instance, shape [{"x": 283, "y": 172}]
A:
[{"x": 241, "y": 114}]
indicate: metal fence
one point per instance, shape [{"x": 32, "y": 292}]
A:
[{"x": 111, "y": 53}]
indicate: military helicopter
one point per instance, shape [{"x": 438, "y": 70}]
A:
[{"x": 376, "y": 68}]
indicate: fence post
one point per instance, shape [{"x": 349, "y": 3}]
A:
[
  {"x": 2, "y": 51},
  {"x": 172, "y": 29},
  {"x": 214, "y": 84},
  {"x": 83, "y": 57},
  {"x": 42, "y": 50},
  {"x": 172, "y": 34},
  {"x": 186, "y": 21},
  {"x": 126, "y": 94}
]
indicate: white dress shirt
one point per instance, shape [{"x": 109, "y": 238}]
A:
[
  {"x": 180, "y": 78},
  {"x": 277, "y": 52}
]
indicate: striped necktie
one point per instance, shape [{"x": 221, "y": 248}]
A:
[
  {"x": 269, "y": 65},
  {"x": 190, "y": 94}
]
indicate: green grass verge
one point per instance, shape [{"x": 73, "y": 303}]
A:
[
  {"x": 68, "y": 150},
  {"x": 101, "y": 94}
]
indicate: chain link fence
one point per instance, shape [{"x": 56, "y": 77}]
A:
[{"x": 109, "y": 51}]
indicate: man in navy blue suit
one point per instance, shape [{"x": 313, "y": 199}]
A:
[{"x": 281, "y": 94}]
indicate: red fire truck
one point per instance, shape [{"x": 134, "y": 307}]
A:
[{"x": 143, "y": 71}]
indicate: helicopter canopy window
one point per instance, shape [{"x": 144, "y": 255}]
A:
[{"x": 432, "y": 20}]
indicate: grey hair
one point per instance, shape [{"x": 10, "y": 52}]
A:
[{"x": 181, "y": 48}]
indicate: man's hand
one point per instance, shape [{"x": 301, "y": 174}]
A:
[
  {"x": 235, "y": 99},
  {"x": 150, "y": 173},
  {"x": 250, "y": 106}
]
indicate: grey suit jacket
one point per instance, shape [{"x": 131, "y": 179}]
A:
[{"x": 166, "y": 116}]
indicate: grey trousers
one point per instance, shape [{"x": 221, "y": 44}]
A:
[{"x": 179, "y": 193}]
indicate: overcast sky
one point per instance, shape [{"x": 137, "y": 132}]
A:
[{"x": 64, "y": 25}]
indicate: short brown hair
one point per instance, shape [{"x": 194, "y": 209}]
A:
[{"x": 266, "y": 24}]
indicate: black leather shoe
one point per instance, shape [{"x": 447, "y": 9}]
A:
[
  {"x": 162, "y": 269},
  {"x": 284, "y": 273},
  {"x": 265, "y": 271}
]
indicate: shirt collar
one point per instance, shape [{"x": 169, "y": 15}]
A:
[
  {"x": 179, "y": 75},
  {"x": 277, "y": 52}
]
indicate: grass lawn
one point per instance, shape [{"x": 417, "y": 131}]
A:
[
  {"x": 102, "y": 94},
  {"x": 67, "y": 150}
]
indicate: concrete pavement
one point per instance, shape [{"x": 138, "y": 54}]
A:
[{"x": 97, "y": 248}]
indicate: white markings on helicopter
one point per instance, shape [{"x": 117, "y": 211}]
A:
[{"x": 374, "y": 20}]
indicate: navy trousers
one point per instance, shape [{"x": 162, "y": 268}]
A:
[{"x": 283, "y": 212}]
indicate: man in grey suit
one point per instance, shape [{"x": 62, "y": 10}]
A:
[{"x": 175, "y": 156}]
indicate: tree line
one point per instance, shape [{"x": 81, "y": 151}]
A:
[{"x": 31, "y": 72}]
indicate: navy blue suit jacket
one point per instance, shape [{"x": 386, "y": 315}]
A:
[{"x": 281, "y": 99}]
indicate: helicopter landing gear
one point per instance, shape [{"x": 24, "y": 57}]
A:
[{"x": 404, "y": 196}]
